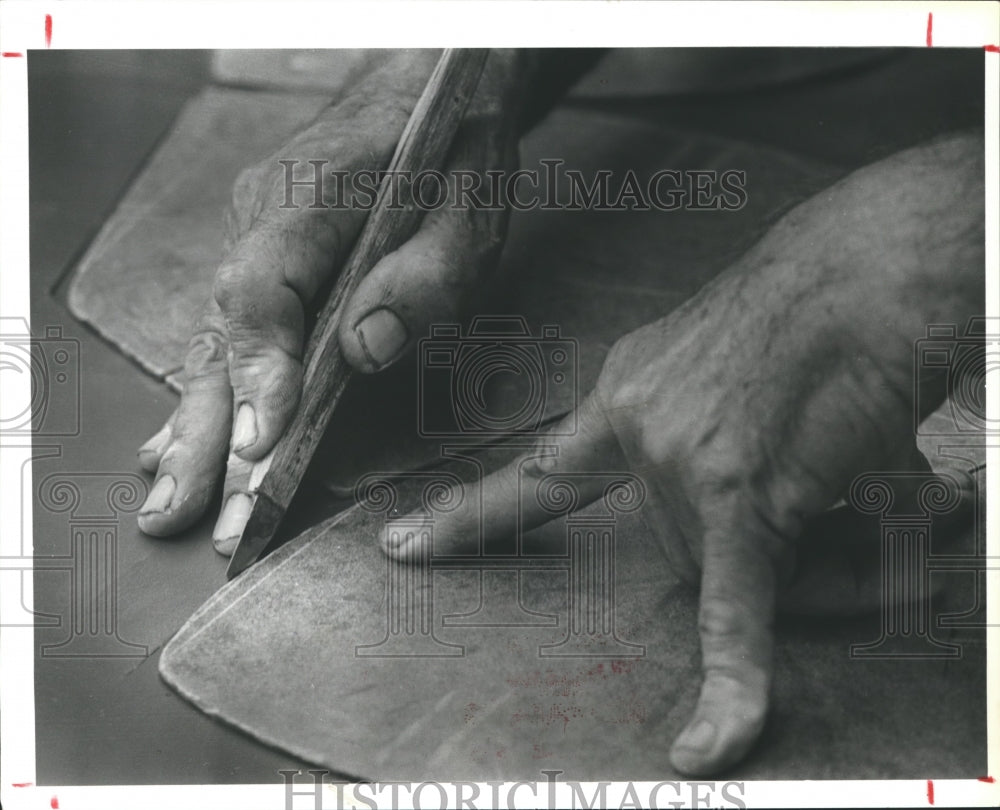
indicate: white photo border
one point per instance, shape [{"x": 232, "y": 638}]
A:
[{"x": 215, "y": 24}]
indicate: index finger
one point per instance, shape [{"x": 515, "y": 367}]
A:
[{"x": 492, "y": 507}]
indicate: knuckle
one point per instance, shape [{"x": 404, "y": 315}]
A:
[
  {"x": 206, "y": 353},
  {"x": 718, "y": 621},
  {"x": 246, "y": 188},
  {"x": 232, "y": 229},
  {"x": 617, "y": 387},
  {"x": 232, "y": 283},
  {"x": 727, "y": 627},
  {"x": 624, "y": 399},
  {"x": 268, "y": 370}
]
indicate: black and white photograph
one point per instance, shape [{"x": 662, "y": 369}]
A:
[{"x": 499, "y": 404}]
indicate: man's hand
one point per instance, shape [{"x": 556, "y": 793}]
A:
[
  {"x": 243, "y": 370},
  {"x": 752, "y": 408}
]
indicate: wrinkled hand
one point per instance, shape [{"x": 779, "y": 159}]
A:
[
  {"x": 750, "y": 409},
  {"x": 243, "y": 371}
]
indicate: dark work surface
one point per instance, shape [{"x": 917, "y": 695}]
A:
[{"x": 94, "y": 118}]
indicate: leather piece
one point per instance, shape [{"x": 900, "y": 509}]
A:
[
  {"x": 276, "y": 653},
  {"x": 139, "y": 718},
  {"x": 622, "y": 73},
  {"x": 506, "y": 712},
  {"x": 319, "y": 70},
  {"x": 145, "y": 278}
]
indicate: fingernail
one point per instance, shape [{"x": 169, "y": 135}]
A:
[
  {"x": 538, "y": 466},
  {"x": 245, "y": 429},
  {"x": 698, "y": 737},
  {"x": 259, "y": 471},
  {"x": 382, "y": 336},
  {"x": 159, "y": 499},
  {"x": 233, "y": 518},
  {"x": 157, "y": 442}
]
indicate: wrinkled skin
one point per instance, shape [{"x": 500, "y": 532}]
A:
[
  {"x": 750, "y": 409},
  {"x": 243, "y": 371},
  {"x": 746, "y": 412}
]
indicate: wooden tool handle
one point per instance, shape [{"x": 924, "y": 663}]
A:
[{"x": 423, "y": 145}]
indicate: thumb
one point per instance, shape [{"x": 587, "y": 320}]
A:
[{"x": 430, "y": 279}]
